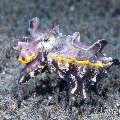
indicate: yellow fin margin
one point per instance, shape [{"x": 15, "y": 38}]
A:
[
  {"x": 27, "y": 60},
  {"x": 75, "y": 61}
]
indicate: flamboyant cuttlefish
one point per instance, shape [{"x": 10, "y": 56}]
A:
[{"x": 65, "y": 55}]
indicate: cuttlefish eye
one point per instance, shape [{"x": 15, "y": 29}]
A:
[{"x": 23, "y": 58}]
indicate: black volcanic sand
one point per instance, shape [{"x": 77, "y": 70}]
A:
[{"x": 94, "y": 19}]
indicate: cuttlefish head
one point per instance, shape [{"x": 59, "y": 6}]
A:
[{"x": 26, "y": 56}]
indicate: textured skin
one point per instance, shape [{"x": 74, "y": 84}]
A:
[{"x": 65, "y": 55}]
